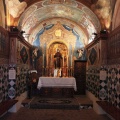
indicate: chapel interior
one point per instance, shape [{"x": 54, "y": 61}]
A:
[{"x": 85, "y": 33}]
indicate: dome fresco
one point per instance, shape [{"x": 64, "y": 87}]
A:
[
  {"x": 72, "y": 12},
  {"x": 85, "y": 17}
]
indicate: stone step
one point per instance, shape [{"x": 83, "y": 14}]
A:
[{"x": 56, "y": 103}]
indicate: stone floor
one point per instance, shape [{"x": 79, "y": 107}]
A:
[{"x": 56, "y": 114}]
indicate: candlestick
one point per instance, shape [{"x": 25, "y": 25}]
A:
[
  {"x": 47, "y": 59},
  {"x": 67, "y": 60},
  {"x": 71, "y": 60},
  {"x": 51, "y": 59},
  {"x": 43, "y": 60},
  {"x": 63, "y": 60}
]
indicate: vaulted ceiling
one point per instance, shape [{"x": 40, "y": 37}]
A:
[{"x": 84, "y": 16}]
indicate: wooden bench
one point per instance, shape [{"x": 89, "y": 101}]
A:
[
  {"x": 110, "y": 109},
  {"x": 6, "y": 105}
]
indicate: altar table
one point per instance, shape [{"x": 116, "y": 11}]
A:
[
  {"x": 64, "y": 82},
  {"x": 57, "y": 86}
]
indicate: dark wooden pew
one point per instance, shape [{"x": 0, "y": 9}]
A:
[
  {"x": 110, "y": 109},
  {"x": 6, "y": 105}
]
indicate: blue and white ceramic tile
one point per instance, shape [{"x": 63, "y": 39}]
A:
[
  {"x": 102, "y": 94},
  {"x": 11, "y": 93}
]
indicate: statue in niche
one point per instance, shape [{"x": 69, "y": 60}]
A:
[
  {"x": 80, "y": 53},
  {"x": 34, "y": 57},
  {"x": 58, "y": 57}
]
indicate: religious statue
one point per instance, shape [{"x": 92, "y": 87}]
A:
[
  {"x": 34, "y": 56},
  {"x": 58, "y": 57},
  {"x": 80, "y": 53}
]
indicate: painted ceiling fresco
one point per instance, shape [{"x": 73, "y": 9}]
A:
[
  {"x": 15, "y": 7},
  {"x": 72, "y": 10},
  {"x": 83, "y": 19}
]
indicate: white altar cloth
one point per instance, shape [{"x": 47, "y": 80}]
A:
[{"x": 63, "y": 82}]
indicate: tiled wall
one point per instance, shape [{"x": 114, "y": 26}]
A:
[
  {"x": 104, "y": 83},
  {"x": 21, "y": 81},
  {"x": 11, "y": 88},
  {"x": 92, "y": 81},
  {"x": 3, "y": 82}
]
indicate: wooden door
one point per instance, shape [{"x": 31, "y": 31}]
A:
[{"x": 80, "y": 76}]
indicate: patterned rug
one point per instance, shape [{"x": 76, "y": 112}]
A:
[{"x": 54, "y": 103}]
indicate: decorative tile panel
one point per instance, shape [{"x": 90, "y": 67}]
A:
[
  {"x": 93, "y": 56},
  {"x": 11, "y": 88},
  {"x": 108, "y": 88},
  {"x": 3, "y": 82},
  {"x": 24, "y": 55},
  {"x": 92, "y": 81}
]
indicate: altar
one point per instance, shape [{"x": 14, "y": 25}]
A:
[{"x": 57, "y": 86}]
